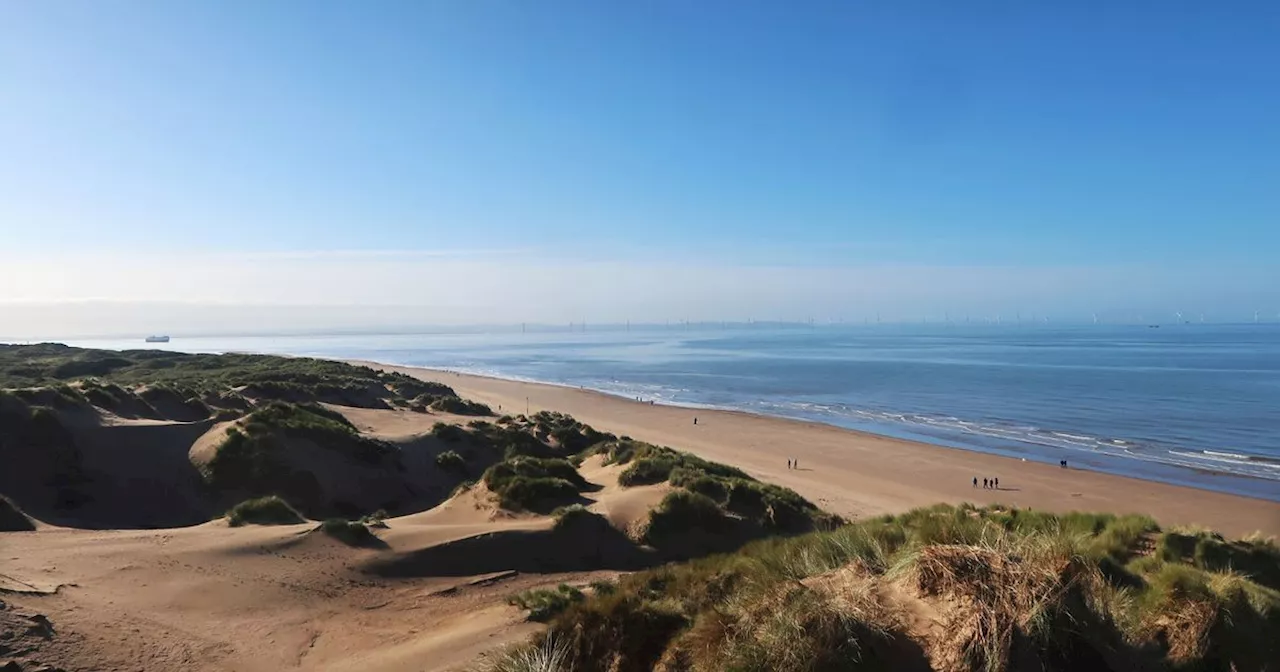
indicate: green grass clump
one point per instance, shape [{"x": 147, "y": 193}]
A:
[
  {"x": 449, "y": 433},
  {"x": 539, "y": 495},
  {"x": 1256, "y": 558},
  {"x": 573, "y": 515},
  {"x": 682, "y": 513},
  {"x": 263, "y": 511},
  {"x": 544, "y": 603},
  {"x": 450, "y": 460},
  {"x": 569, "y": 435},
  {"x": 349, "y": 532},
  {"x": 647, "y": 470},
  {"x": 534, "y": 484},
  {"x": 459, "y": 406},
  {"x": 775, "y": 508}
]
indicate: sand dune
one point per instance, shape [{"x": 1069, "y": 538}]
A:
[{"x": 260, "y": 598}]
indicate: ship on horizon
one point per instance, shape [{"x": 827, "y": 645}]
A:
[{"x": 157, "y": 339}]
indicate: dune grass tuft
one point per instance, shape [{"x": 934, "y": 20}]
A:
[
  {"x": 1007, "y": 590},
  {"x": 534, "y": 484},
  {"x": 349, "y": 532},
  {"x": 545, "y": 603},
  {"x": 270, "y": 510}
]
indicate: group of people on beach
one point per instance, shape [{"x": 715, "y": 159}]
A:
[
  {"x": 987, "y": 483},
  {"x": 793, "y": 464}
]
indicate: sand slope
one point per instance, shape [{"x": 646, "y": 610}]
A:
[{"x": 265, "y": 598}]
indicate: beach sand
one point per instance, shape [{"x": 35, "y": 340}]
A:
[{"x": 856, "y": 474}]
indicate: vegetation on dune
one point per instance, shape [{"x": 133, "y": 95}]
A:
[
  {"x": 349, "y": 532},
  {"x": 293, "y": 379},
  {"x": 544, "y": 603},
  {"x": 654, "y": 464},
  {"x": 533, "y": 483},
  {"x": 458, "y": 406},
  {"x": 684, "y": 513},
  {"x": 450, "y": 460},
  {"x": 1208, "y": 550},
  {"x": 549, "y": 656},
  {"x": 573, "y": 515},
  {"x": 252, "y": 458},
  {"x": 449, "y": 433},
  {"x": 775, "y": 508},
  {"x": 569, "y": 435},
  {"x": 1008, "y": 590},
  {"x": 263, "y": 511},
  {"x": 60, "y": 396}
]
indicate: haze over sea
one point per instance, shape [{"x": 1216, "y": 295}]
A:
[{"x": 1192, "y": 404}]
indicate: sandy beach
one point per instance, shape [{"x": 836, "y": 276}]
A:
[{"x": 856, "y": 474}]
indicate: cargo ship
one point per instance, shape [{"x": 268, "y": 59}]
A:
[{"x": 157, "y": 339}]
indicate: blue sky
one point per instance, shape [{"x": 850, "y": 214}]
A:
[{"x": 1138, "y": 141}]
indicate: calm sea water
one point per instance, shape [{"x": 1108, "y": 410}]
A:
[{"x": 1192, "y": 404}]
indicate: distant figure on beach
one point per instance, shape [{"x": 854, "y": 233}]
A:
[
  {"x": 984, "y": 484},
  {"x": 788, "y": 463},
  {"x": 1064, "y": 464},
  {"x": 996, "y": 484},
  {"x": 975, "y": 481},
  {"x": 695, "y": 421},
  {"x": 795, "y": 464}
]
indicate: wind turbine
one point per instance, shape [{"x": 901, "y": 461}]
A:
[
  {"x": 1255, "y": 316},
  {"x": 1178, "y": 314}
]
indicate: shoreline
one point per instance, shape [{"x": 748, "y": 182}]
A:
[
  {"x": 859, "y": 474},
  {"x": 1156, "y": 471}
]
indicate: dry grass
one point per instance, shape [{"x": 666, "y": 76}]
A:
[
  {"x": 942, "y": 588},
  {"x": 550, "y": 655},
  {"x": 998, "y": 591}
]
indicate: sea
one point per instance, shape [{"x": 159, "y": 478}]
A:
[{"x": 1192, "y": 404}]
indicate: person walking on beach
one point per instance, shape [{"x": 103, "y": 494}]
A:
[
  {"x": 975, "y": 481},
  {"x": 984, "y": 484},
  {"x": 695, "y": 421},
  {"x": 996, "y": 484},
  {"x": 788, "y": 463}
]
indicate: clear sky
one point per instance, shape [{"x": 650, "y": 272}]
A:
[{"x": 508, "y": 161}]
